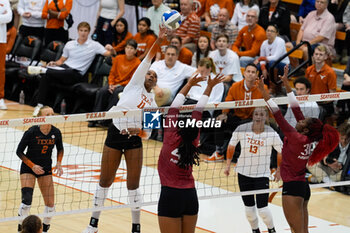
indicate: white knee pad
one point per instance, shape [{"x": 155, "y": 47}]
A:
[
  {"x": 23, "y": 211},
  {"x": 100, "y": 196},
  {"x": 266, "y": 216},
  {"x": 48, "y": 210},
  {"x": 135, "y": 197},
  {"x": 252, "y": 217}
]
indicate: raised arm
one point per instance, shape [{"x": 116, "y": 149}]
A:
[{"x": 139, "y": 76}]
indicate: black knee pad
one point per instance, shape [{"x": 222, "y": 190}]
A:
[{"x": 27, "y": 195}]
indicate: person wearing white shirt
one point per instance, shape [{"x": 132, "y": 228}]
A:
[
  {"x": 171, "y": 75},
  {"x": 310, "y": 108},
  {"x": 206, "y": 68},
  {"x": 241, "y": 10},
  {"x": 32, "y": 23},
  {"x": 155, "y": 13},
  {"x": 226, "y": 61},
  {"x": 110, "y": 11},
  {"x": 5, "y": 17},
  {"x": 124, "y": 137},
  {"x": 71, "y": 67},
  {"x": 253, "y": 166},
  {"x": 271, "y": 50}
]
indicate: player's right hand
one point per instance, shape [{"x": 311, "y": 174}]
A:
[
  {"x": 38, "y": 170},
  {"x": 227, "y": 170}
]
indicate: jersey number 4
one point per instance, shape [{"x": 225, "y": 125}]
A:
[{"x": 44, "y": 150}]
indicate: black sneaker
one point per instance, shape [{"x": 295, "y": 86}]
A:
[{"x": 136, "y": 228}]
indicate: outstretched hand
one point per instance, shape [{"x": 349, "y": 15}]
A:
[
  {"x": 260, "y": 83},
  {"x": 194, "y": 80},
  {"x": 218, "y": 79},
  {"x": 284, "y": 78},
  {"x": 162, "y": 31}
]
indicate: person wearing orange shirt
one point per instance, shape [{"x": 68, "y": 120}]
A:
[
  {"x": 122, "y": 35},
  {"x": 123, "y": 68},
  {"x": 56, "y": 28},
  {"x": 185, "y": 55},
  {"x": 199, "y": 7},
  {"x": 245, "y": 90},
  {"x": 212, "y": 8},
  {"x": 322, "y": 77},
  {"x": 144, "y": 38},
  {"x": 250, "y": 38}
]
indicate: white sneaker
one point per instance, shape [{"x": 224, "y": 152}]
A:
[
  {"x": 35, "y": 70},
  {"x": 37, "y": 110},
  {"x": 2, "y": 104},
  {"x": 90, "y": 229}
]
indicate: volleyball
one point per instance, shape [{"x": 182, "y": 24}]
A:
[{"x": 171, "y": 19}]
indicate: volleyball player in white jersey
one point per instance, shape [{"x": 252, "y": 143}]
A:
[
  {"x": 253, "y": 166},
  {"x": 122, "y": 138}
]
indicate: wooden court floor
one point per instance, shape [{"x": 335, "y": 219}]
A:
[{"x": 330, "y": 206}]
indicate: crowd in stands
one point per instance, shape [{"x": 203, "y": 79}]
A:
[{"x": 216, "y": 36}]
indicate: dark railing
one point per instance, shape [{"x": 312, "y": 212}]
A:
[{"x": 309, "y": 61}]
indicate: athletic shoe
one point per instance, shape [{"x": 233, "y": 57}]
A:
[
  {"x": 37, "y": 110},
  {"x": 34, "y": 70},
  {"x": 90, "y": 229},
  {"x": 215, "y": 157},
  {"x": 2, "y": 104}
]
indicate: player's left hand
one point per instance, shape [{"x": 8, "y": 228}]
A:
[
  {"x": 218, "y": 79},
  {"x": 194, "y": 80},
  {"x": 277, "y": 175},
  {"x": 58, "y": 170}
]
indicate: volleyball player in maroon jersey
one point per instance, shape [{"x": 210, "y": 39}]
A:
[
  {"x": 298, "y": 150},
  {"x": 178, "y": 202},
  {"x": 37, "y": 165}
]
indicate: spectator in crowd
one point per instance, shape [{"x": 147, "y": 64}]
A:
[
  {"x": 346, "y": 22},
  {"x": 122, "y": 35},
  {"x": 185, "y": 55},
  {"x": 224, "y": 26},
  {"x": 344, "y": 105},
  {"x": 203, "y": 49},
  {"x": 246, "y": 90},
  {"x": 249, "y": 39},
  {"x": 305, "y": 8},
  {"x": 16, "y": 16},
  {"x": 276, "y": 12},
  {"x": 309, "y": 108},
  {"x": 207, "y": 69},
  {"x": 322, "y": 77},
  {"x": 155, "y": 13},
  {"x": 337, "y": 9},
  {"x": 199, "y": 7},
  {"x": 226, "y": 61},
  {"x": 190, "y": 25},
  {"x": 318, "y": 27},
  {"x": 11, "y": 35},
  {"x": 32, "y": 224},
  {"x": 56, "y": 28},
  {"x": 123, "y": 67},
  {"x": 76, "y": 59},
  {"x": 32, "y": 23},
  {"x": 171, "y": 74},
  {"x": 212, "y": 9},
  {"x": 110, "y": 11},
  {"x": 5, "y": 17},
  {"x": 241, "y": 10},
  {"x": 270, "y": 51},
  {"x": 144, "y": 38},
  {"x": 331, "y": 168}
]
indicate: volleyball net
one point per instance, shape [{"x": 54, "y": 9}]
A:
[{"x": 82, "y": 159}]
